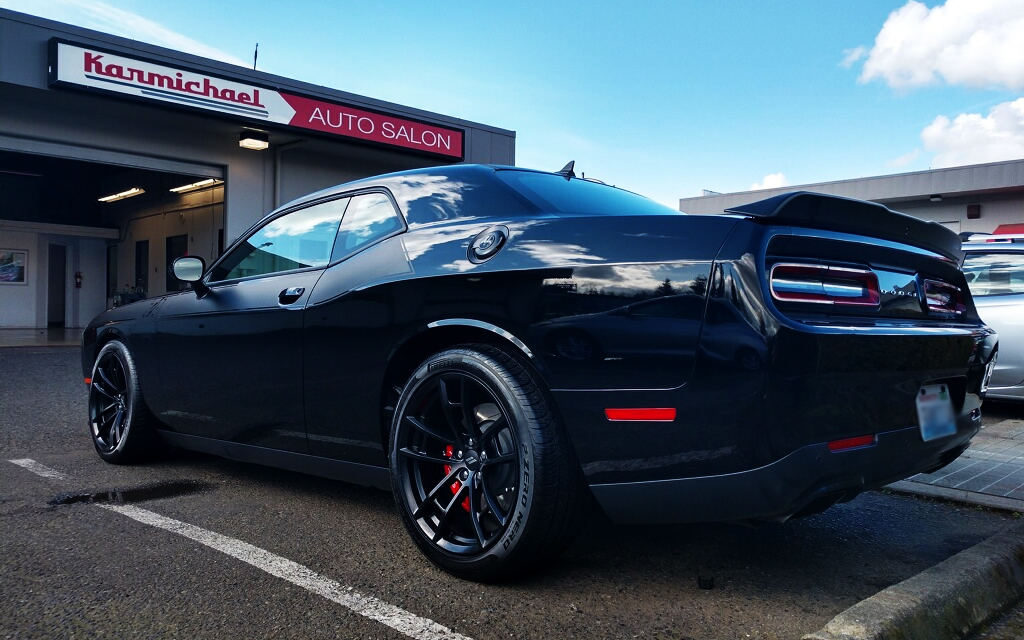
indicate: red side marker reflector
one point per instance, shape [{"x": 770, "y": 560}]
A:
[
  {"x": 640, "y": 415},
  {"x": 851, "y": 443},
  {"x": 88, "y": 381}
]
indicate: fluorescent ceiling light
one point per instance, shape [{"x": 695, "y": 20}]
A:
[
  {"x": 256, "y": 140},
  {"x": 134, "y": 191},
  {"x": 196, "y": 186}
]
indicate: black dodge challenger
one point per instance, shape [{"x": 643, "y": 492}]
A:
[{"x": 499, "y": 347}]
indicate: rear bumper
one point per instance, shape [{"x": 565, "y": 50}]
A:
[{"x": 806, "y": 480}]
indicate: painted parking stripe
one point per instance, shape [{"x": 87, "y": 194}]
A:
[
  {"x": 395, "y": 617},
  {"x": 39, "y": 469},
  {"x": 299, "y": 575}
]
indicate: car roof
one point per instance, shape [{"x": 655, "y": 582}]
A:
[{"x": 994, "y": 245}]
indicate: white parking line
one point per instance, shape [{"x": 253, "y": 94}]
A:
[
  {"x": 395, "y": 617},
  {"x": 39, "y": 469}
]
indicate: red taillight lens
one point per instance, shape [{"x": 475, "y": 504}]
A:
[
  {"x": 943, "y": 297},
  {"x": 851, "y": 443},
  {"x": 822, "y": 284},
  {"x": 640, "y": 415}
]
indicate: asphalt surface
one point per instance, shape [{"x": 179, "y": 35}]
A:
[{"x": 79, "y": 570}]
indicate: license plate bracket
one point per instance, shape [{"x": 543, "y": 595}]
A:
[{"x": 935, "y": 412}]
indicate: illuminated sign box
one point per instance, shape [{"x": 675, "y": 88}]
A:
[{"x": 98, "y": 69}]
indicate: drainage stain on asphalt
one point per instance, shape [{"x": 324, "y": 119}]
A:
[{"x": 154, "y": 491}]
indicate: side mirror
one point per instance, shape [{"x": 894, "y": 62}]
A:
[{"x": 190, "y": 269}]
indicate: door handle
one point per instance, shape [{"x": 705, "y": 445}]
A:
[{"x": 290, "y": 295}]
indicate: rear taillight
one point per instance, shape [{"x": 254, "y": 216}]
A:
[
  {"x": 943, "y": 297},
  {"x": 823, "y": 284}
]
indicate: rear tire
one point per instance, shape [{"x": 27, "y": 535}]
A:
[
  {"x": 485, "y": 479},
  {"x": 121, "y": 425}
]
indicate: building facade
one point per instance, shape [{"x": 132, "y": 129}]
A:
[
  {"x": 117, "y": 157},
  {"x": 975, "y": 198}
]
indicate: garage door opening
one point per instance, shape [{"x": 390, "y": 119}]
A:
[{"x": 95, "y": 235}]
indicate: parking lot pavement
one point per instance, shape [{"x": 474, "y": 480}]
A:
[
  {"x": 970, "y": 590},
  {"x": 71, "y": 567}
]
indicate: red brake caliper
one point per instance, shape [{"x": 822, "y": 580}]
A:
[{"x": 449, "y": 452}]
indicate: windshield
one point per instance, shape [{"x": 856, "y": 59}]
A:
[
  {"x": 993, "y": 274},
  {"x": 556, "y": 194}
]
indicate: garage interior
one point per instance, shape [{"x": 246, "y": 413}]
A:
[{"x": 171, "y": 215}]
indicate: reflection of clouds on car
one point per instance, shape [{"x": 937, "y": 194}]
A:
[
  {"x": 292, "y": 226},
  {"x": 559, "y": 253}
]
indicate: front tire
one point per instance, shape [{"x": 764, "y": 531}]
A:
[
  {"x": 486, "y": 482},
  {"x": 120, "y": 423}
]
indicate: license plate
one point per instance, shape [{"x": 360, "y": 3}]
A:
[{"x": 935, "y": 412}]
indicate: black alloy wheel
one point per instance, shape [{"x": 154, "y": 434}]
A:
[
  {"x": 484, "y": 478},
  {"x": 119, "y": 421}
]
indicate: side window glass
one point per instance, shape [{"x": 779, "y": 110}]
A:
[
  {"x": 298, "y": 240},
  {"x": 369, "y": 217}
]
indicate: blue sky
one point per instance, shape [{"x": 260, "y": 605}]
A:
[{"x": 662, "y": 98}]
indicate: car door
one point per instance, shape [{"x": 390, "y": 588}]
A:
[
  {"x": 231, "y": 359},
  {"x": 350, "y": 324}
]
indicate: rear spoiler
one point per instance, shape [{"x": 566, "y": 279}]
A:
[{"x": 846, "y": 215}]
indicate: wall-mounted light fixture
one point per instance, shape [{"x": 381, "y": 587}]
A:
[
  {"x": 935, "y": 197},
  {"x": 256, "y": 140},
  {"x": 134, "y": 191},
  {"x": 196, "y": 186}
]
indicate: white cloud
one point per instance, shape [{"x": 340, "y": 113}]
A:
[
  {"x": 971, "y": 138},
  {"x": 977, "y": 43},
  {"x": 109, "y": 19},
  {"x": 771, "y": 181},
  {"x": 851, "y": 56}
]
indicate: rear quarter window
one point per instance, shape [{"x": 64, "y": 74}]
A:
[{"x": 555, "y": 194}]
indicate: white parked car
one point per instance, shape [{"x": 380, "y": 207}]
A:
[{"x": 994, "y": 267}]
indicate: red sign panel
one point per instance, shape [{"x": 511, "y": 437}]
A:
[{"x": 375, "y": 127}]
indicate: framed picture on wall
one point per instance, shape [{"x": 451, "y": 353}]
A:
[{"x": 13, "y": 266}]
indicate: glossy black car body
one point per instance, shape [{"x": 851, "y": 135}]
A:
[{"x": 756, "y": 401}]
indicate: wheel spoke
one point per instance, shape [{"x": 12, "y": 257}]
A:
[
  {"x": 426, "y": 457},
  {"x": 96, "y": 384},
  {"x": 446, "y": 515},
  {"x": 428, "y": 501},
  {"x": 117, "y": 428},
  {"x": 504, "y": 458},
  {"x": 493, "y": 429},
  {"x": 467, "y": 412},
  {"x": 422, "y": 426},
  {"x": 492, "y": 502},
  {"x": 105, "y": 410},
  {"x": 452, "y": 410},
  {"x": 474, "y": 509},
  {"x": 105, "y": 376}
]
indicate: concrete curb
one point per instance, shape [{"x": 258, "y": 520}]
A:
[
  {"x": 945, "y": 602},
  {"x": 957, "y": 495}
]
